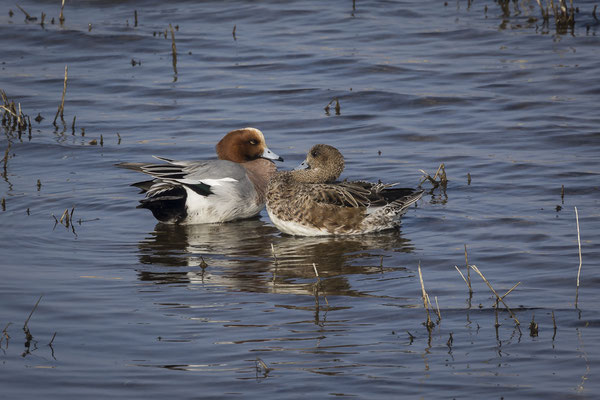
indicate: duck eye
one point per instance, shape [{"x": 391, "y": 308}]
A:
[
  {"x": 314, "y": 154},
  {"x": 253, "y": 142}
]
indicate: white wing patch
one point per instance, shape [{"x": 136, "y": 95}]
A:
[{"x": 216, "y": 182}]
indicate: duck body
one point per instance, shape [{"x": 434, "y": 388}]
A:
[
  {"x": 310, "y": 202},
  {"x": 196, "y": 192}
]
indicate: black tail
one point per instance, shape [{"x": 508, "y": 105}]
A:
[{"x": 168, "y": 206}]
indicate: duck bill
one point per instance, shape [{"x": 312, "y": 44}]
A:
[
  {"x": 269, "y": 155},
  {"x": 304, "y": 165}
]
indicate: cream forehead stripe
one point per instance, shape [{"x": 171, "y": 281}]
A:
[{"x": 259, "y": 133}]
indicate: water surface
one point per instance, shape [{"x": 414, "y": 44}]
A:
[{"x": 134, "y": 309}]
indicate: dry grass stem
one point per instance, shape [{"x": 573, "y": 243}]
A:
[
  {"x": 533, "y": 327},
  {"x": 580, "y": 260},
  {"x": 61, "y": 107},
  {"x": 499, "y": 299},
  {"x": 429, "y": 324},
  {"x": 439, "y": 174},
  {"x": 468, "y": 270},
  {"x": 31, "y": 313},
  {"x": 510, "y": 290},
  {"x": 61, "y": 17},
  {"x": 338, "y": 108},
  {"x": 261, "y": 364},
  {"x": 27, "y": 16},
  {"x": 173, "y": 49},
  {"x": 461, "y": 274}
]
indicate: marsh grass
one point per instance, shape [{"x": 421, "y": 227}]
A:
[
  {"x": 61, "y": 107},
  {"x": 173, "y": 50},
  {"x": 580, "y": 259},
  {"x": 426, "y": 303},
  {"x": 338, "y": 108},
  {"x": 438, "y": 179},
  {"x": 499, "y": 299},
  {"x": 262, "y": 367},
  {"x": 564, "y": 16},
  {"x": 28, "y": 17}
]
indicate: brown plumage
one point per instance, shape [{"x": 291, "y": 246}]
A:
[{"x": 309, "y": 202}]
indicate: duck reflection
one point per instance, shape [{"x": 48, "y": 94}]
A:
[{"x": 252, "y": 255}]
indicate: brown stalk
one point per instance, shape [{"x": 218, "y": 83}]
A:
[
  {"x": 61, "y": 107},
  {"x": 173, "y": 49},
  {"x": 429, "y": 324},
  {"x": 499, "y": 298}
]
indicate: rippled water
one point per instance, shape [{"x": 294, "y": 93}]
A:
[{"x": 132, "y": 309}]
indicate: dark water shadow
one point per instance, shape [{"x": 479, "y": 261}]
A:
[{"x": 253, "y": 256}]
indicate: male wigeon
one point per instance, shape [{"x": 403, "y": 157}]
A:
[
  {"x": 308, "y": 201},
  {"x": 197, "y": 192}
]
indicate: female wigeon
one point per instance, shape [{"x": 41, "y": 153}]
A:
[
  {"x": 308, "y": 201},
  {"x": 197, "y": 192}
]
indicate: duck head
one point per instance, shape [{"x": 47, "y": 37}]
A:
[
  {"x": 323, "y": 164},
  {"x": 243, "y": 145}
]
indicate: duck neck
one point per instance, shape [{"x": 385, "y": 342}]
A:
[{"x": 260, "y": 172}]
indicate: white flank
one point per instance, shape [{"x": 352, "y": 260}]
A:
[{"x": 294, "y": 228}]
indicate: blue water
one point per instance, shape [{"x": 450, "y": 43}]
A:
[{"x": 133, "y": 309}]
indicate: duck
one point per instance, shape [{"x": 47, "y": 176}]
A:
[
  {"x": 310, "y": 201},
  {"x": 233, "y": 187}
]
